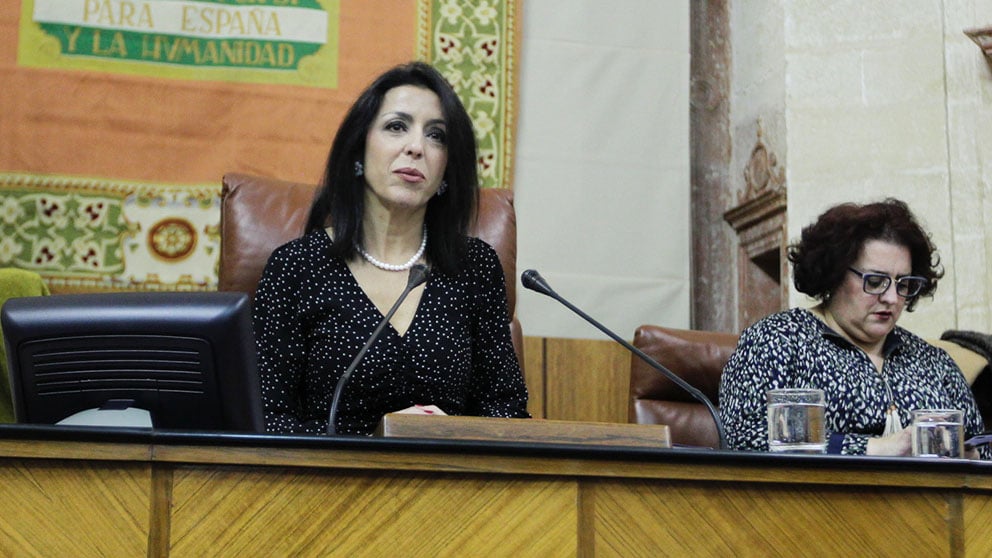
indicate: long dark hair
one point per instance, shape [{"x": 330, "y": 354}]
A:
[
  {"x": 340, "y": 200},
  {"x": 831, "y": 244}
]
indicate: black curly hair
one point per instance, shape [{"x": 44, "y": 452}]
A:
[{"x": 831, "y": 244}]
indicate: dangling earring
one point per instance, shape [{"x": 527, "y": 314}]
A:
[
  {"x": 359, "y": 168},
  {"x": 443, "y": 188}
]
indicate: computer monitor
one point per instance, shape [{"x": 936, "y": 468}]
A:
[{"x": 184, "y": 360}]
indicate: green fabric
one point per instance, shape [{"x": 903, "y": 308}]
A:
[{"x": 14, "y": 283}]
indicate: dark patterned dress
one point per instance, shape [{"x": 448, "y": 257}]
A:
[
  {"x": 311, "y": 318},
  {"x": 794, "y": 349}
]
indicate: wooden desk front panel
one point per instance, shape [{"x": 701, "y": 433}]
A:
[
  {"x": 306, "y": 512},
  {"x": 977, "y": 525},
  {"x": 231, "y": 511},
  {"x": 672, "y": 518},
  {"x": 230, "y": 501},
  {"x": 74, "y": 508}
]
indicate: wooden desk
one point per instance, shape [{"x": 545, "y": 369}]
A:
[{"x": 78, "y": 492}]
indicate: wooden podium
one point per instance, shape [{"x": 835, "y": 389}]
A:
[
  {"x": 84, "y": 492},
  {"x": 445, "y": 427}
]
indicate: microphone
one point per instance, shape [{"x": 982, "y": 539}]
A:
[
  {"x": 533, "y": 281},
  {"x": 418, "y": 276}
]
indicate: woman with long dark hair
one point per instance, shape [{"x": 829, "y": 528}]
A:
[{"x": 400, "y": 188}]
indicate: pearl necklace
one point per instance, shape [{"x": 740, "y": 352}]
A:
[{"x": 392, "y": 267}]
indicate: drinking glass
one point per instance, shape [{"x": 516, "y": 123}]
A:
[
  {"x": 938, "y": 433},
  {"x": 796, "y": 421}
]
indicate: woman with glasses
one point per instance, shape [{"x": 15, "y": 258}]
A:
[{"x": 865, "y": 264}]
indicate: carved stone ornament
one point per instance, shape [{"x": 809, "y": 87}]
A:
[
  {"x": 761, "y": 173},
  {"x": 760, "y": 222},
  {"x": 983, "y": 37}
]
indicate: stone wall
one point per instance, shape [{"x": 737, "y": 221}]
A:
[{"x": 863, "y": 100}]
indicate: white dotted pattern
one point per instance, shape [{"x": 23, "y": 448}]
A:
[{"x": 311, "y": 318}]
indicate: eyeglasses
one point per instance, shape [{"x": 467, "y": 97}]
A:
[{"x": 907, "y": 286}]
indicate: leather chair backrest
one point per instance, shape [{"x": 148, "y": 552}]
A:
[
  {"x": 259, "y": 214},
  {"x": 698, "y": 357}
]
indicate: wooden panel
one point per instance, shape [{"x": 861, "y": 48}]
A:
[
  {"x": 73, "y": 508},
  {"x": 208, "y": 501},
  {"x": 587, "y": 380},
  {"x": 535, "y": 375},
  {"x": 160, "y": 513},
  {"x": 443, "y": 427},
  {"x": 977, "y": 525},
  {"x": 236, "y": 512},
  {"x": 725, "y": 519},
  {"x": 75, "y": 450},
  {"x": 703, "y": 469}
]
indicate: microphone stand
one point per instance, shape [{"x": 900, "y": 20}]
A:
[
  {"x": 418, "y": 276},
  {"x": 533, "y": 281}
]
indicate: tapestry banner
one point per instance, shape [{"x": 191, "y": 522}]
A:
[
  {"x": 291, "y": 42},
  {"x": 121, "y": 116}
]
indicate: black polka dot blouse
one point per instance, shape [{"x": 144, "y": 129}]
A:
[
  {"x": 311, "y": 318},
  {"x": 796, "y": 349}
]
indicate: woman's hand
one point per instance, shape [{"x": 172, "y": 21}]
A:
[
  {"x": 423, "y": 410},
  {"x": 899, "y": 443}
]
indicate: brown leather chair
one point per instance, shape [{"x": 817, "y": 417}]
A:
[
  {"x": 259, "y": 214},
  {"x": 698, "y": 357}
]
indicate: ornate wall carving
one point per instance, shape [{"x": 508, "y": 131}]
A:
[{"x": 759, "y": 218}]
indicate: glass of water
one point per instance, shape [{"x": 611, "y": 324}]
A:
[
  {"x": 796, "y": 421},
  {"x": 938, "y": 433}
]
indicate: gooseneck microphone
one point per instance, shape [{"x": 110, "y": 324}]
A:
[
  {"x": 418, "y": 276},
  {"x": 533, "y": 281}
]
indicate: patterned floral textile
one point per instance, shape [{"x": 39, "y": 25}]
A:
[
  {"x": 796, "y": 349},
  {"x": 312, "y": 318},
  {"x": 472, "y": 43},
  {"x": 98, "y": 235}
]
